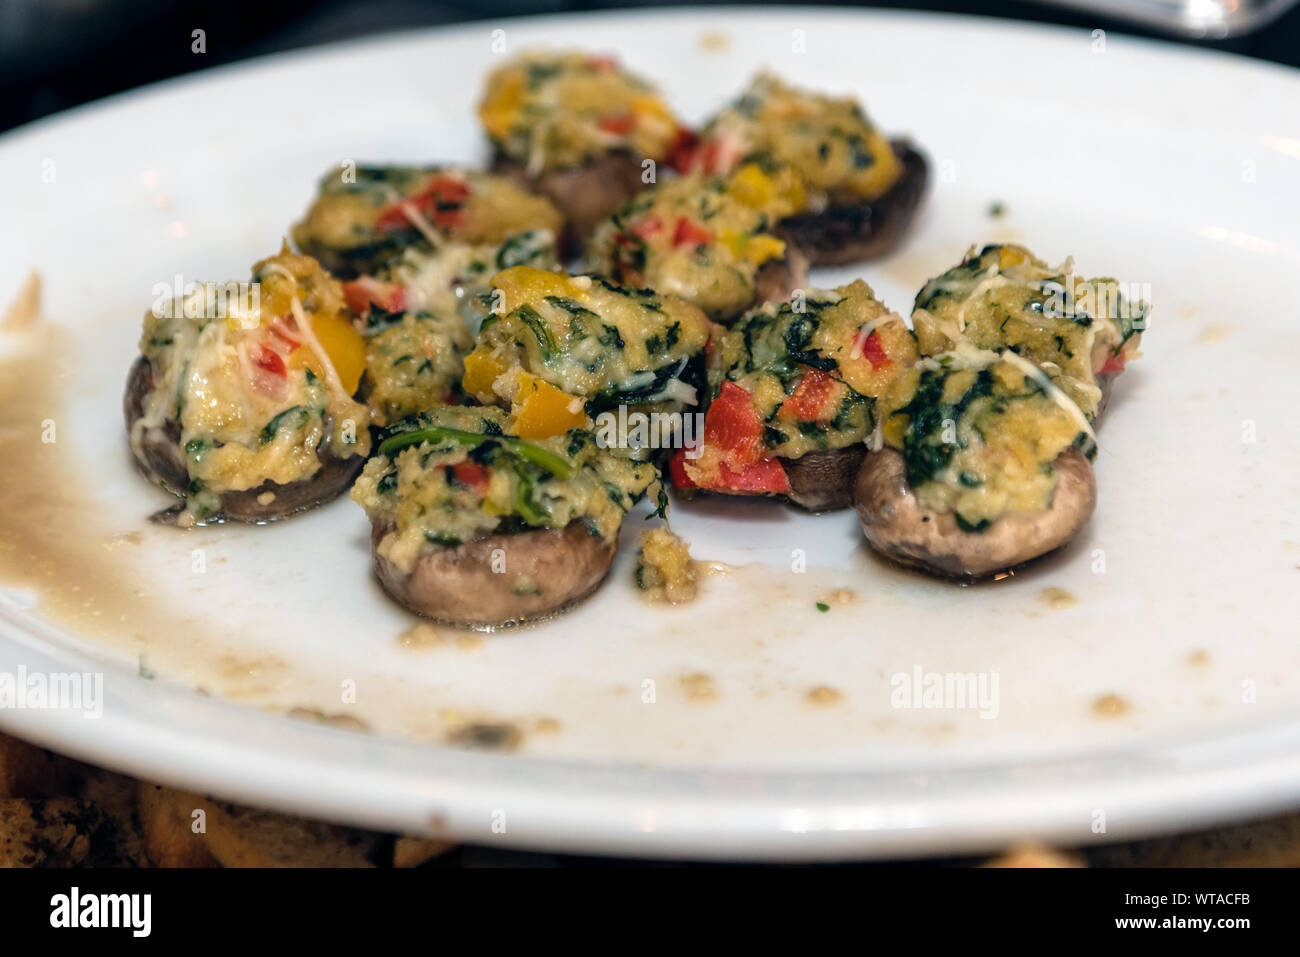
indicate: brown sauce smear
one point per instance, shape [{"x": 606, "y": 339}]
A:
[{"x": 51, "y": 542}]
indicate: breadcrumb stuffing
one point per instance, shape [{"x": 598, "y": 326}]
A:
[{"x": 665, "y": 571}]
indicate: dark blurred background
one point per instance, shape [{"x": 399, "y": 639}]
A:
[{"x": 58, "y": 53}]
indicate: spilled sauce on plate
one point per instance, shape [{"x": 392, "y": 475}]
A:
[
  {"x": 75, "y": 561},
  {"x": 48, "y": 543}
]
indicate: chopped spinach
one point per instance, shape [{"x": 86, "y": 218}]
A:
[{"x": 294, "y": 418}]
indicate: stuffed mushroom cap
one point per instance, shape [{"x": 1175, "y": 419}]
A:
[
  {"x": 563, "y": 352},
  {"x": 579, "y": 130},
  {"x": 707, "y": 239},
  {"x": 983, "y": 464},
  {"x": 365, "y": 216},
  {"x": 475, "y": 527},
  {"x": 794, "y": 388},
  {"x": 1081, "y": 331},
  {"x": 418, "y": 313},
  {"x": 242, "y": 400},
  {"x": 901, "y": 528},
  {"x": 552, "y": 111},
  {"x": 859, "y": 190},
  {"x": 835, "y": 148},
  {"x": 859, "y": 230}
]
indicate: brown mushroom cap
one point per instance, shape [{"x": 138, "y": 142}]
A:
[
  {"x": 499, "y": 579},
  {"x": 1106, "y": 383},
  {"x": 856, "y": 232},
  {"x": 777, "y": 279},
  {"x": 159, "y": 456},
  {"x": 585, "y": 195},
  {"x": 819, "y": 481},
  {"x": 823, "y": 481},
  {"x": 160, "y": 459},
  {"x": 901, "y": 528}
]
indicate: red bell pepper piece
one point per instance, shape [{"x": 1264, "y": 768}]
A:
[
  {"x": 471, "y": 474},
  {"x": 732, "y": 428},
  {"x": 765, "y": 475},
  {"x": 361, "y": 292},
  {"x": 648, "y": 226},
  {"x": 620, "y": 124},
  {"x": 268, "y": 360},
  {"x": 439, "y": 202},
  {"x": 269, "y": 374},
  {"x": 682, "y": 153},
  {"x": 732, "y": 425},
  {"x": 677, "y": 471},
  {"x": 717, "y": 155},
  {"x": 1113, "y": 363},
  {"x": 810, "y": 396},
  {"x": 871, "y": 349},
  {"x": 688, "y": 234}
]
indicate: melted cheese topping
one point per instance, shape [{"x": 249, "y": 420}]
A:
[
  {"x": 415, "y": 364},
  {"x": 979, "y": 432},
  {"x": 700, "y": 238},
  {"x": 357, "y": 211},
  {"x": 595, "y": 341},
  {"x": 256, "y": 394},
  {"x": 444, "y": 492},
  {"x": 452, "y": 278},
  {"x": 814, "y": 366},
  {"x": 1004, "y": 297},
  {"x": 829, "y": 141},
  {"x": 551, "y": 111},
  {"x": 415, "y": 357}
]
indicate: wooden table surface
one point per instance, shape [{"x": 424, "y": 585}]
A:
[{"x": 61, "y": 813}]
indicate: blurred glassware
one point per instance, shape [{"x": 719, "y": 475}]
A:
[{"x": 1197, "y": 19}]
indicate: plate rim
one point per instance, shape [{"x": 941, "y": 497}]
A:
[{"x": 1171, "y": 783}]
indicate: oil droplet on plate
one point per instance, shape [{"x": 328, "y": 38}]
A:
[
  {"x": 823, "y": 695},
  {"x": 715, "y": 41},
  {"x": 699, "y": 688},
  {"x": 1057, "y": 598},
  {"x": 1110, "y": 706}
]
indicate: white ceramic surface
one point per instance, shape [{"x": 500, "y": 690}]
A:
[{"x": 692, "y": 731}]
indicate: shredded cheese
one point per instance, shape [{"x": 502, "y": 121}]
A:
[
  {"x": 300, "y": 316},
  {"x": 990, "y": 282},
  {"x": 419, "y": 222},
  {"x": 1053, "y": 392},
  {"x": 415, "y": 217},
  {"x": 866, "y": 329}
]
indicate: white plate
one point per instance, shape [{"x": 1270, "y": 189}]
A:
[{"x": 1158, "y": 165}]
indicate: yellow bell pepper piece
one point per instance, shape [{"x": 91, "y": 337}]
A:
[
  {"x": 500, "y": 107},
  {"x": 481, "y": 370},
  {"x": 755, "y": 249},
  {"x": 751, "y": 186},
  {"x": 894, "y": 428},
  {"x": 1009, "y": 256},
  {"x": 779, "y": 194},
  {"x": 522, "y": 284},
  {"x": 541, "y": 410},
  {"x": 651, "y": 107},
  {"x": 760, "y": 249},
  {"x": 342, "y": 343}
]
